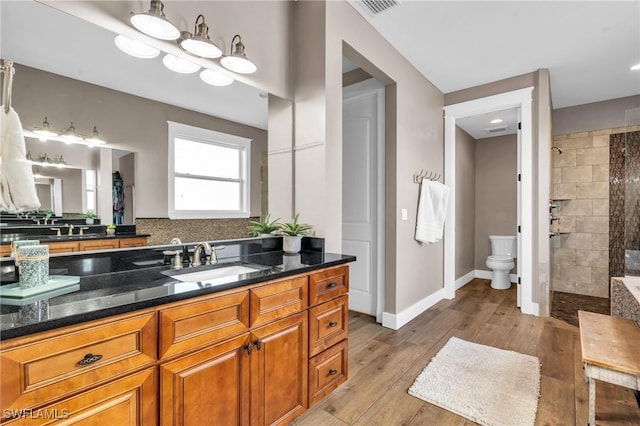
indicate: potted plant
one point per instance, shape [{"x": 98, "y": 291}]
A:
[
  {"x": 90, "y": 217},
  {"x": 263, "y": 228},
  {"x": 111, "y": 230},
  {"x": 293, "y": 232}
]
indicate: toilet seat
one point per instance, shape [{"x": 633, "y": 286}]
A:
[{"x": 500, "y": 259}]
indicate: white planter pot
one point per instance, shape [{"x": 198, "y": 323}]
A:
[
  {"x": 89, "y": 221},
  {"x": 291, "y": 243}
]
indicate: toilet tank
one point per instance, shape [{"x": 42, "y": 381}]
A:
[{"x": 503, "y": 245}]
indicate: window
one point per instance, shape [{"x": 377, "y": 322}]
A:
[
  {"x": 90, "y": 190},
  {"x": 208, "y": 173}
]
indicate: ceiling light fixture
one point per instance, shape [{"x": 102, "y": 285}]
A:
[
  {"x": 215, "y": 78},
  {"x": 199, "y": 43},
  {"x": 135, "y": 47},
  {"x": 635, "y": 67},
  {"x": 179, "y": 65},
  {"x": 154, "y": 23},
  {"x": 238, "y": 61},
  {"x": 496, "y": 121}
]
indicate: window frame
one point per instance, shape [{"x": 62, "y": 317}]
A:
[{"x": 210, "y": 137}]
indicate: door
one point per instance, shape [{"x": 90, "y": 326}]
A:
[
  {"x": 281, "y": 349},
  {"x": 519, "y": 213},
  {"x": 362, "y": 191}
]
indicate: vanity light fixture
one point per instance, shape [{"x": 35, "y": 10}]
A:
[
  {"x": 69, "y": 134},
  {"x": 215, "y": 78},
  {"x": 635, "y": 67},
  {"x": 45, "y": 131},
  {"x": 199, "y": 43},
  {"x": 237, "y": 61},
  {"x": 179, "y": 65},
  {"x": 154, "y": 23},
  {"x": 136, "y": 47},
  {"x": 95, "y": 137}
]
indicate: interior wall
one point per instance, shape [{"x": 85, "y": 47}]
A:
[
  {"x": 465, "y": 202},
  {"x": 608, "y": 114},
  {"x": 417, "y": 144},
  {"x": 127, "y": 122},
  {"x": 496, "y": 193}
]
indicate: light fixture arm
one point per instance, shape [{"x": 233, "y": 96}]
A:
[{"x": 239, "y": 46}]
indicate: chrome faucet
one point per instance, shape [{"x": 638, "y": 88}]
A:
[{"x": 208, "y": 251}]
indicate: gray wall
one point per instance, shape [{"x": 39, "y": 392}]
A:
[
  {"x": 594, "y": 116},
  {"x": 465, "y": 202},
  {"x": 496, "y": 192}
]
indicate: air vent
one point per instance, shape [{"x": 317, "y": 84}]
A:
[
  {"x": 500, "y": 129},
  {"x": 378, "y": 6}
]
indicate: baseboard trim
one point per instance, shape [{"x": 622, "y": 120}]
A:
[
  {"x": 395, "y": 321},
  {"x": 465, "y": 279}
]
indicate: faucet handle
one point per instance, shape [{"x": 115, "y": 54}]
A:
[
  {"x": 57, "y": 230},
  {"x": 82, "y": 229},
  {"x": 177, "y": 262}
]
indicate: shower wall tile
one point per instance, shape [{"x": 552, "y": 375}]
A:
[
  {"x": 600, "y": 208},
  {"x": 598, "y": 155},
  {"x": 566, "y": 224},
  {"x": 576, "y": 174},
  {"x": 564, "y": 190},
  {"x": 600, "y": 172},
  {"x": 592, "y": 190},
  {"x": 557, "y": 175},
  {"x": 601, "y": 133},
  {"x": 593, "y": 258},
  {"x": 601, "y": 140},
  {"x": 576, "y": 240},
  {"x": 564, "y": 256},
  {"x": 592, "y": 224},
  {"x": 577, "y": 208},
  {"x": 600, "y": 242},
  {"x": 566, "y": 159},
  {"x": 575, "y": 143}
]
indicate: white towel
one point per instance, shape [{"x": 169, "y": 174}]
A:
[
  {"x": 17, "y": 187},
  {"x": 432, "y": 210}
]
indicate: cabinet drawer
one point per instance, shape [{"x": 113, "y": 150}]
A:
[
  {"x": 328, "y": 284},
  {"x": 328, "y": 324},
  {"x": 39, "y": 372},
  {"x": 66, "y": 247},
  {"x": 327, "y": 371},
  {"x": 126, "y": 402},
  {"x": 98, "y": 245},
  {"x": 201, "y": 323},
  {"x": 133, "y": 242},
  {"x": 278, "y": 300}
]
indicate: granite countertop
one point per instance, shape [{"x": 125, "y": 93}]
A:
[{"x": 119, "y": 281}]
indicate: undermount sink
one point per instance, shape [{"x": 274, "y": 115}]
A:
[{"x": 217, "y": 275}]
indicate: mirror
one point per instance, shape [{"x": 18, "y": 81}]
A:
[{"x": 68, "y": 69}]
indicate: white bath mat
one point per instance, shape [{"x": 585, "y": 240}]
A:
[{"x": 489, "y": 386}]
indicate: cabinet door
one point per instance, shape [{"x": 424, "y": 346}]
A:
[
  {"x": 133, "y": 242},
  {"x": 209, "y": 387},
  {"x": 126, "y": 402},
  {"x": 5, "y": 250},
  {"x": 279, "y": 371},
  {"x": 66, "y": 247},
  {"x": 99, "y": 244}
]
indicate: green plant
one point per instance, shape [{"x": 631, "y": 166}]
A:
[
  {"x": 294, "y": 228},
  {"x": 90, "y": 214},
  {"x": 111, "y": 227},
  {"x": 263, "y": 227}
]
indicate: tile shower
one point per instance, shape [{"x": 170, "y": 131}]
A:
[{"x": 589, "y": 169}]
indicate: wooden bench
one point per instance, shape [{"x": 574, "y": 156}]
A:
[{"x": 610, "y": 352}]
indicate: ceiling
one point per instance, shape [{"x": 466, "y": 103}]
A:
[{"x": 587, "y": 46}]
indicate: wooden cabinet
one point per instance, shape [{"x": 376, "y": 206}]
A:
[
  {"x": 63, "y": 247},
  {"x": 327, "y": 371},
  {"x": 133, "y": 242},
  {"x": 328, "y": 324},
  {"x": 112, "y": 243},
  {"x": 5, "y": 250}
]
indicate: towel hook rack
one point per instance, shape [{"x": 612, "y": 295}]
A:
[
  {"x": 7, "y": 82},
  {"x": 418, "y": 177}
]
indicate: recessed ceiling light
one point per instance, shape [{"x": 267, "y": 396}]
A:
[
  {"x": 180, "y": 65},
  {"x": 215, "y": 78},
  {"x": 636, "y": 67},
  {"x": 496, "y": 121},
  {"x": 136, "y": 48}
]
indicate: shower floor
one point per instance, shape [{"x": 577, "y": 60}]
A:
[{"x": 565, "y": 306}]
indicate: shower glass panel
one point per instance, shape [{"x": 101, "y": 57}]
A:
[{"x": 632, "y": 192}]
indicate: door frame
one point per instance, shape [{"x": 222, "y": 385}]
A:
[
  {"x": 350, "y": 92},
  {"x": 522, "y": 99}
]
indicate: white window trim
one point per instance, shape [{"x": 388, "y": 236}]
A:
[{"x": 177, "y": 130}]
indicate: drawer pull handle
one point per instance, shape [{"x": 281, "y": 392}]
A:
[
  {"x": 332, "y": 285},
  {"x": 333, "y": 324},
  {"x": 89, "y": 359},
  {"x": 333, "y": 372}
]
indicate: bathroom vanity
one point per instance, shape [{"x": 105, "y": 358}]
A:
[{"x": 139, "y": 343}]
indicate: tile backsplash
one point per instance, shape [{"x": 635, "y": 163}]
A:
[{"x": 162, "y": 230}]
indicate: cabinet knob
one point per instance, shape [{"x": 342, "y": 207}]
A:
[
  {"x": 332, "y": 285},
  {"x": 258, "y": 344},
  {"x": 333, "y": 324},
  {"x": 333, "y": 372},
  {"x": 248, "y": 347},
  {"x": 89, "y": 359}
]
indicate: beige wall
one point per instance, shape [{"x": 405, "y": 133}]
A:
[
  {"x": 127, "y": 122},
  {"x": 465, "y": 202},
  {"x": 594, "y": 116},
  {"x": 417, "y": 130},
  {"x": 496, "y": 192}
]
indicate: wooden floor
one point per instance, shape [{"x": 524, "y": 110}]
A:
[{"x": 383, "y": 364}]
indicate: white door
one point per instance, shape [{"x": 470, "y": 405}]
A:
[
  {"x": 519, "y": 214},
  {"x": 361, "y": 192}
]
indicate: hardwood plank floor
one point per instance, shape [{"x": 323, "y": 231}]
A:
[{"x": 384, "y": 363}]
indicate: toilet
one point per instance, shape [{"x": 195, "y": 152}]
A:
[{"x": 501, "y": 261}]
